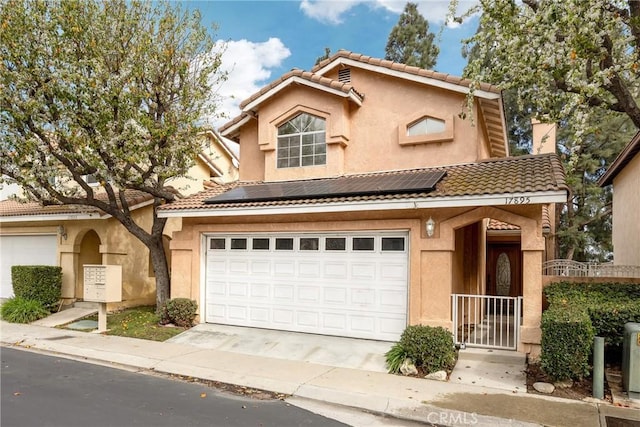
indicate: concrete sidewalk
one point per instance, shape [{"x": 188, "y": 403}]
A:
[{"x": 404, "y": 397}]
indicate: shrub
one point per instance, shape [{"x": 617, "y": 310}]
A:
[
  {"x": 395, "y": 358},
  {"x": 179, "y": 311},
  {"x": 38, "y": 282},
  {"x": 567, "y": 338},
  {"x": 430, "y": 348},
  {"x": 20, "y": 310},
  {"x": 609, "y": 305}
]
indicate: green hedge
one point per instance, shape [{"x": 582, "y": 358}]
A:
[
  {"x": 41, "y": 283},
  {"x": 609, "y": 305},
  {"x": 430, "y": 348},
  {"x": 567, "y": 338}
]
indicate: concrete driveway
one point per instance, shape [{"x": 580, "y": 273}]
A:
[{"x": 325, "y": 350}]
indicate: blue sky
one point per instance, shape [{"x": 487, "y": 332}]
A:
[{"x": 265, "y": 39}]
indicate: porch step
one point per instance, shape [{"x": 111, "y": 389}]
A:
[
  {"x": 499, "y": 369},
  {"x": 505, "y": 357}
]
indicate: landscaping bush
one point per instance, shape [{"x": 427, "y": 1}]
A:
[
  {"x": 567, "y": 338},
  {"x": 395, "y": 357},
  {"x": 20, "y": 310},
  {"x": 179, "y": 311},
  {"x": 430, "y": 348},
  {"x": 42, "y": 283},
  {"x": 609, "y": 305}
]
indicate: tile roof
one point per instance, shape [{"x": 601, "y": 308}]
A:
[
  {"x": 306, "y": 75},
  {"x": 496, "y": 225},
  {"x": 523, "y": 174},
  {"x": 16, "y": 208},
  {"x": 397, "y": 66}
]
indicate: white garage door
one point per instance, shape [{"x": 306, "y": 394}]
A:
[
  {"x": 352, "y": 285},
  {"x": 24, "y": 250}
]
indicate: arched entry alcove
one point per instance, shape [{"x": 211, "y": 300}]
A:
[{"x": 89, "y": 254}]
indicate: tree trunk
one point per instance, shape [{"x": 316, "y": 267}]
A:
[{"x": 160, "y": 269}]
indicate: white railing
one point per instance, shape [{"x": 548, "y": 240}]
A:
[
  {"x": 486, "y": 321},
  {"x": 570, "y": 268}
]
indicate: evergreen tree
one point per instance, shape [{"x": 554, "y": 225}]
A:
[{"x": 410, "y": 41}]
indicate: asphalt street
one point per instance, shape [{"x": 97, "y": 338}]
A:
[{"x": 41, "y": 390}]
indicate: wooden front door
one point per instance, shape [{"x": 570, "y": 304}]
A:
[{"x": 504, "y": 270}]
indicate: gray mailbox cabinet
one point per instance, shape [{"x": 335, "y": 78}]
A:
[
  {"x": 102, "y": 283},
  {"x": 631, "y": 360}
]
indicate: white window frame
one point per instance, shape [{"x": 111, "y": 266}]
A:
[{"x": 318, "y": 156}]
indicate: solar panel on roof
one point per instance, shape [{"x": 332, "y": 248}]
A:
[{"x": 332, "y": 187}]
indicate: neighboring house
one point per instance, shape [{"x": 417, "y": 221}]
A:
[
  {"x": 624, "y": 175},
  {"x": 363, "y": 205},
  {"x": 72, "y": 235}
]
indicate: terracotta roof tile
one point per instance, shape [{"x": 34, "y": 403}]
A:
[
  {"x": 17, "y": 208},
  {"x": 534, "y": 173},
  {"x": 306, "y": 75},
  {"x": 405, "y": 68},
  {"x": 494, "y": 224}
]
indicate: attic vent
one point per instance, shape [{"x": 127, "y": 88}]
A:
[{"x": 344, "y": 75}]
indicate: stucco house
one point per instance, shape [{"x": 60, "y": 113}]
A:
[
  {"x": 71, "y": 236},
  {"x": 367, "y": 203},
  {"x": 624, "y": 175}
]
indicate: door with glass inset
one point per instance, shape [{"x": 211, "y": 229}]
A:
[{"x": 504, "y": 270}]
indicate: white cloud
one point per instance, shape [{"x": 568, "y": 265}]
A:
[
  {"x": 248, "y": 65},
  {"x": 327, "y": 11},
  {"x": 332, "y": 11}
]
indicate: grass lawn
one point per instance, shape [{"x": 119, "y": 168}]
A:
[{"x": 138, "y": 322}]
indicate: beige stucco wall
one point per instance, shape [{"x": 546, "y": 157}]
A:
[
  {"x": 116, "y": 246},
  {"x": 192, "y": 182},
  {"x": 365, "y": 138},
  {"x": 626, "y": 220},
  {"x": 453, "y": 260}
]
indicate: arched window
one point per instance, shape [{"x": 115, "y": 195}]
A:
[
  {"x": 301, "y": 142},
  {"x": 426, "y": 126}
]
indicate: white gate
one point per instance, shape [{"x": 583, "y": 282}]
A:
[{"x": 486, "y": 321}]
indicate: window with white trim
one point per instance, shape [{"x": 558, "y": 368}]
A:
[
  {"x": 91, "y": 180},
  {"x": 426, "y": 126},
  {"x": 301, "y": 142}
]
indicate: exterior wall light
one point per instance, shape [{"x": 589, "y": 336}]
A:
[
  {"x": 62, "y": 232},
  {"x": 430, "y": 227}
]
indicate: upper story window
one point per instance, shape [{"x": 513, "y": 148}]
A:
[
  {"x": 301, "y": 142},
  {"x": 91, "y": 180},
  {"x": 426, "y": 126}
]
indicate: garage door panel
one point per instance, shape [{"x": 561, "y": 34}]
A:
[
  {"x": 238, "y": 289},
  {"x": 237, "y": 312},
  {"x": 363, "y": 271},
  {"x": 259, "y": 314},
  {"x": 283, "y": 317},
  {"x": 309, "y": 269},
  {"x": 334, "y": 321},
  {"x": 260, "y": 291},
  {"x": 335, "y": 269},
  {"x": 363, "y": 324},
  {"x": 284, "y": 268},
  {"x": 284, "y": 293},
  {"x": 260, "y": 267},
  {"x": 24, "y": 250},
  {"x": 308, "y": 319},
  {"x": 335, "y": 296},
  {"x": 344, "y": 292}
]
